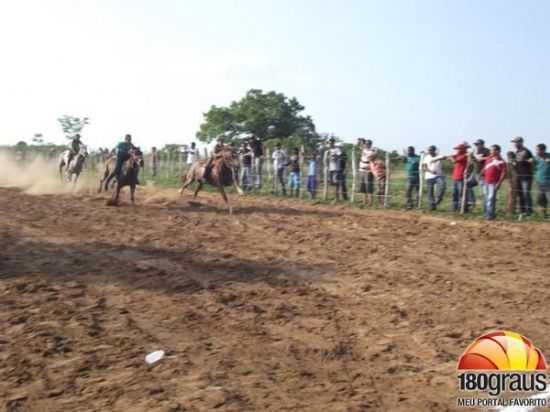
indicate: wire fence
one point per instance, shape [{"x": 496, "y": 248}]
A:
[{"x": 517, "y": 197}]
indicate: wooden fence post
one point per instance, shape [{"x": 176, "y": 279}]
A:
[
  {"x": 421, "y": 181},
  {"x": 354, "y": 175},
  {"x": 301, "y": 177},
  {"x": 387, "y": 185},
  {"x": 325, "y": 175},
  {"x": 464, "y": 188}
]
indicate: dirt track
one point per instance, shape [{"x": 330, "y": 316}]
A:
[{"x": 283, "y": 306}]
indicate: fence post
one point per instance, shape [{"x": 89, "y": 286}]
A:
[
  {"x": 325, "y": 175},
  {"x": 464, "y": 188},
  {"x": 354, "y": 175},
  {"x": 301, "y": 177},
  {"x": 421, "y": 181},
  {"x": 387, "y": 185}
]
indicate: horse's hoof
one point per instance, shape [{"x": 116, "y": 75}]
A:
[{"x": 111, "y": 202}]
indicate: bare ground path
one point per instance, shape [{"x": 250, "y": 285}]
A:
[{"x": 282, "y": 306}]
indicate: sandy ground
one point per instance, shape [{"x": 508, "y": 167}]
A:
[{"x": 282, "y": 306}]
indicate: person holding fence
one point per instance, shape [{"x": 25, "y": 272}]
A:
[
  {"x": 524, "y": 162},
  {"x": 512, "y": 199},
  {"x": 494, "y": 172},
  {"x": 294, "y": 177},
  {"x": 378, "y": 169},
  {"x": 459, "y": 176},
  {"x": 279, "y": 165},
  {"x": 245, "y": 154},
  {"x": 433, "y": 174},
  {"x": 342, "y": 187},
  {"x": 412, "y": 171},
  {"x": 312, "y": 167},
  {"x": 259, "y": 151},
  {"x": 479, "y": 157},
  {"x": 542, "y": 177},
  {"x": 334, "y": 165},
  {"x": 367, "y": 177}
]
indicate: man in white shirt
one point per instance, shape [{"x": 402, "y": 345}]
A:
[
  {"x": 368, "y": 153},
  {"x": 192, "y": 154},
  {"x": 280, "y": 162},
  {"x": 432, "y": 166}
]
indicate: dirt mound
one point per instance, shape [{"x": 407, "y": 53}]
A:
[{"x": 282, "y": 306}]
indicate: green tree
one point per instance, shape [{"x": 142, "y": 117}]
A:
[{"x": 267, "y": 115}]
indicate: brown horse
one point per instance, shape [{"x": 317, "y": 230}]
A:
[
  {"x": 128, "y": 175},
  {"x": 222, "y": 174}
]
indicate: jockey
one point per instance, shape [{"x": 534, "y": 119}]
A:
[
  {"x": 122, "y": 154},
  {"x": 220, "y": 145},
  {"x": 74, "y": 148}
]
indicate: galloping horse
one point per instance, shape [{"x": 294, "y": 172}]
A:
[
  {"x": 128, "y": 174},
  {"x": 74, "y": 168},
  {"x": 222, "y": 174}
]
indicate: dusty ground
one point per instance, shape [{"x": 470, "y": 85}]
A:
[{"x": 283, "y": 306}]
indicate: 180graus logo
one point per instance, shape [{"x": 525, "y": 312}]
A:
[{"x": 502, "y": 368}]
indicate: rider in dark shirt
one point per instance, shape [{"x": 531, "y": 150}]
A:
[{"x": 122, "y": 154}]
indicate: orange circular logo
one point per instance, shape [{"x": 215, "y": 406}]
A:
[{"x": 502, "y": 350}]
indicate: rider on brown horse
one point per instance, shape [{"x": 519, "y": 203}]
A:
[{"x": 122, "y": 154}]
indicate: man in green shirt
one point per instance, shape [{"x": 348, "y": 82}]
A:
[
  {"x": 122, "y": 154},
  {"x": 542, "y": 177},
  {"x": 412, "y": 171}
]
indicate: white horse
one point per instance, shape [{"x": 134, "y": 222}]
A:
[{"x": 74, "y": 168}]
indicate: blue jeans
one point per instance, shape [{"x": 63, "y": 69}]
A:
[
  {"x": 294, "y": 180},
  {"x": 436, "y": 190},
  {"x": 246, "y": 177},
  {"x": 458, "y": 186},
  {"x": 490, "y": 200},
  {"x": 524, "y": 194},
  {"x": 413, "y": 186}
]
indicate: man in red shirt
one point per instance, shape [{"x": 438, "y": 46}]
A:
[
  {"x": 494, "y": 173},
  {"x": 460, "y": 159}
]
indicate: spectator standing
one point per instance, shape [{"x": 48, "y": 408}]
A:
[
  {"x": 412, "y": 171},
  {"x": 494, "y": 172},
  {"x": 524, "y": 164},
  {"x": 154, "y": 161},
  {"x": 312, "y": 167},
  {"x": 294, "y": 176},
  {"x": 378, "y": 169},
  {"x": 279, "y": 165},
  {"x": 435, "y": 180},
  {"x": 246, "y": 155},
  {"x": 192, "y": 155},
  {"x": 480, "y": 155},
  {"x": 512, "y": 199},
  {"x": 542, "y": 177},
  {"x": 259, "y": 152},
  {"x": 334, "y": 165},
  {"x": 368, "y": 152},
  {"x": 342, "y": 188},
  {"x": 460, "y": 159}
]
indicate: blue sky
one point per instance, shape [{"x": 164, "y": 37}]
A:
[{"x": 400, "y": 72}]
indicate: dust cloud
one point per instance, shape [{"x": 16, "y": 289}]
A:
[{"x": 40, "y": 176}]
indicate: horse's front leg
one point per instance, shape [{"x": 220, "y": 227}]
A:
[
  {"x": 132, "y": 191},
  {"x": 198, "y": 189},
  {"x": 225, "y": 199}
]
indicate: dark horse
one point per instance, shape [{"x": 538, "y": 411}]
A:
[
  {"x": 222, "y": 174},
  {"x": 128, "y": 175}
]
